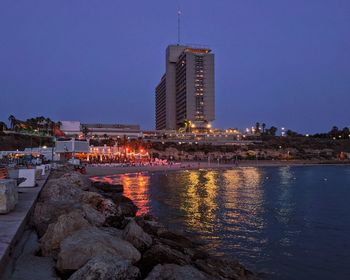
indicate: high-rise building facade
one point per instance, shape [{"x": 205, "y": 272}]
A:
[{"x": 186, "y": 90}]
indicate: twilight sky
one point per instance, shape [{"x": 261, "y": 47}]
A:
[{"x": 282, "y": 62}]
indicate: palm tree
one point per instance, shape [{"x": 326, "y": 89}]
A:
[
  {"x": 257, "y": 128},
  {"x": 334, "y": 131},
  {"x": 13, "y": 121},
  {"x": 85, "y": 131},
  {"x": 186, "y": 127},
  {"x": 48, "y": 124},
  {"x": 273, "y": 130},
  {"x": 3, "y": 126}
]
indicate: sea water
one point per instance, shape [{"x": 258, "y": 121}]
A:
[{"x": 281, "y": 222}]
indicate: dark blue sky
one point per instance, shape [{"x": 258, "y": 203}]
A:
[{"x": 285, "y": 63}]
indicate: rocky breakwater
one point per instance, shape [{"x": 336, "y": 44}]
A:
[{"x": 93, "y": 234}]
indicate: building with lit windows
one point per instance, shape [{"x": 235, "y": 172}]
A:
[
  {"x": 186, "y": 90},
  {"x": 78, "y": 129}
]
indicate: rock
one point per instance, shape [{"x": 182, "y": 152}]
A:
[
  {"x": 223, "y": 268},
  {"x": 108, "y": 187},
  {"x": 48, "y": 212},
  {"x": 151, "y": 227},
  {"x": 77, "y": 249},
  {"x": 174, "y": 240},
  {"x": 136, "y": 236},
  {"x": 113, "y": 231},
  {"x": 56, "y": 232},
  {"x": 161, "y": 254},
  {"x": 101, "y": 204},
  {"x": 59, "y": 190},
  {"x": 106, "y": 268},
  {"x": 128, "y": 209},
  {"x": 77, "y": 179},
  {"x": 116, "y": 222},
  {"x": 94, "y": 217},
  {"x": 127, "y": 206},
  {"x": 176, "y": 272},
  {"x": 8, "y": 195}
]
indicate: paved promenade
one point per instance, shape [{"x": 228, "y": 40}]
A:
[{"x": 13, "y": 224}]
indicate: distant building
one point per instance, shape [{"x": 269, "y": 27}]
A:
[
  {"x": 113, "y": 130},
  {"x": 72, "y": 146},
  {"x": 186, "y": 90},
  {"x": 68, "y": 148},
  {"x": 76, "y": 128},
  {"x": 71, "y": 128}
]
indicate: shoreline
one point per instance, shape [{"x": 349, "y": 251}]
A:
[
  {"x": 79, "y": 231},
  {"x": 114, "y": 170}
]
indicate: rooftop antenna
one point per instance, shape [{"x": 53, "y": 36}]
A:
[{"x": 178, "y": 25}]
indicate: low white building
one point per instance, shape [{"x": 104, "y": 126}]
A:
[
  {"x": 71, "y": 128},
  {"x": 112, "y": 130},
  {"x": 76, "y": 129}
]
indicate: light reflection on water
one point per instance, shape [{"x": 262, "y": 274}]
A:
[{"x": 286, "y": 222}]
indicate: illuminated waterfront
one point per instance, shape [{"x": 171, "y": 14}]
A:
[{"x": 284, "y": 222}]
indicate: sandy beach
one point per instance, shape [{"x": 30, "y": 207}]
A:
[{"x": 106, "y": 170}]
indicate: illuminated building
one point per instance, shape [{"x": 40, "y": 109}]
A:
[
  {"x": 113, "y": 130},
  {"x": 76, "y": 128},
  {"x": 186, "y": 90}
]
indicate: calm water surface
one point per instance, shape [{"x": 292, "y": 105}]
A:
[{"x": 284, "y": 222}]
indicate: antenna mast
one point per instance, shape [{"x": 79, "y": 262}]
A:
[{"x": 178, "y": 25}]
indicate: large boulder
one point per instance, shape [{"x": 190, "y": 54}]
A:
[
  {"x": 78, "y": 180},
  {"x": 94, "y": 217},
  {"x": 176, "y": 272},
  {"x": 59, "y": 190},
  {"x": 8, "y": 195},
  {"x": 119, "y": 222},
  {"x": 108, "y": 187},
  {"x": 101, "y": 204},
  {"x": 106, "y": 267},
  {"x": 136, "y": 236},
  {"x": 221, "y": 268},
  {"x": 175, "y": 241},
  {"x": 161, "y": 254},
  {"x": 127, "y": 206},
  {"x": 56, "y": 232},
  {"x": 46, "y": 213},
  {"x": 152, "y": 227},
  {"x": 81, "y": 246}
]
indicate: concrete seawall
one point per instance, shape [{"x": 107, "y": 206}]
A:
[{"x": 12, "y": 225}]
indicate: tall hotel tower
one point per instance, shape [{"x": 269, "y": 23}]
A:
[{"x": 186, "y": 90}]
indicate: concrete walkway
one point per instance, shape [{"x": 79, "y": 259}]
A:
[{"x": 13, "y": 224}]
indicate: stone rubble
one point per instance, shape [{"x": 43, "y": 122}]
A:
[{"x": 95, "y": 234}]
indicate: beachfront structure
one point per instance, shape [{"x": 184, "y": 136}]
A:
[
  {"x": 68, "y": 148},
  {"x": 78, "y": 129},
  {"x": 186, "y": 90},
  {"x": 113, "y": 130},
  {"x": 70, "y": 128},
  {"x": 48, "y": 153},
  {"x": 115, "y": 153}
]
